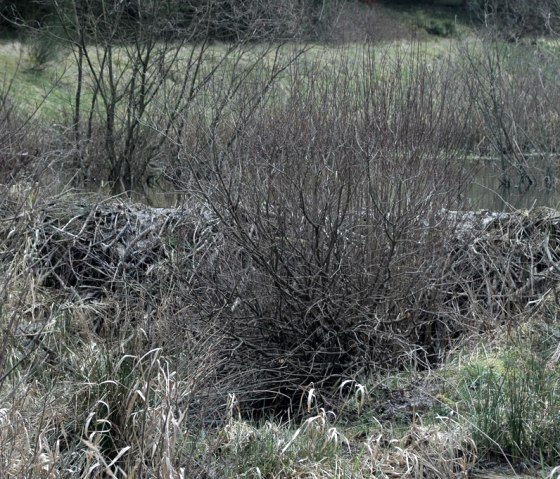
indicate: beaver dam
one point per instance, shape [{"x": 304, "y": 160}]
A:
[
  {"x": 252, "y": 297},
  {"x": 177, "y": 330}
]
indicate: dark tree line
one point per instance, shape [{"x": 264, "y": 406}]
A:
[
  {"x": 28, "y": 11},
  {"x": 226, "y": 20},
  {"x": 517, "y": 18}
]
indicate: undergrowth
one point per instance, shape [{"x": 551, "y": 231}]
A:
[
  {"x": 510, "y": 399},
  {"x": 81, "y": 406}
]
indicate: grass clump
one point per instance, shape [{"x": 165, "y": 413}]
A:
[
  {"x": 276, "y": 450},
  {"x": 326, "y": 445},
  {"x": 511, "y": 403}
]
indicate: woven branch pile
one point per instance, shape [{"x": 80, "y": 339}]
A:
[
  {"x": 89, "y": 247},
  {"x": 502, "y": 264},
  {"x": 281, "y": 329}
]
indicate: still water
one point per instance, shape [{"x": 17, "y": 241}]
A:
[{"x": 489, "y": 191}]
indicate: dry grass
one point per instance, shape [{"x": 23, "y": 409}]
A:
[{"x": 131, "y": 382}]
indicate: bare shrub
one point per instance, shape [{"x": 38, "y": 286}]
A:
[
  {"x": 13, "y": 131},
  {"x": 133, "y": 57},
  {"x": 330, "y": 200},
  {"x": 513, "y": 89},
  {"x": 27, "y": 144}
]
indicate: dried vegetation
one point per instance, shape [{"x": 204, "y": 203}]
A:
[{"x": 321, "y": 242}]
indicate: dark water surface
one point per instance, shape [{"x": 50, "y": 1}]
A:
[
  {"x": 498, "y": 190},
  {"x": 487, "y": 191}
]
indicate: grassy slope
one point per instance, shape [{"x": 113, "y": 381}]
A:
[
  {"x": 51, "y": 87},
  {"x": 48, "y": 90}
]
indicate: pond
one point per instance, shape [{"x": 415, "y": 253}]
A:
[
  {"x": 488, "y": 189},
  {"x": 498, "y": 189}
]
